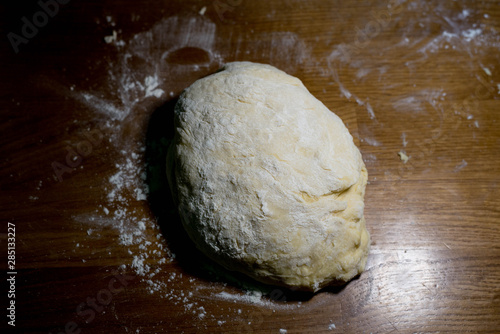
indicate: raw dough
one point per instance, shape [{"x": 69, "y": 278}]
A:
[
  {"x": 268, "y": 181},
  {"x": 403, "y": 156}
]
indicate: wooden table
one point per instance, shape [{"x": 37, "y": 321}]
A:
[{"x": 86, "y": 116}]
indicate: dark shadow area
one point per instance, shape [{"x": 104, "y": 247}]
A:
[
  {"x": 188, "y": 56},
  {"x": 158, "y": 138}
]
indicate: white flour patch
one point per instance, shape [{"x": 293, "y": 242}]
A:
[
  {"x": 283, "y": 49},
  {"x": 135, "y": 75},
  {"x": 465, "y": 13},
  {"x": 362, "y": 72},
  {"x": 370, "y": 110},
  {"x": 486, "y": 70},
  {"x": 369, "y": 158},
  {"x": 419, "y": 102},
  {"x": 255, "y": 297},
  {"x": 460, "y": 35},
  {"x": 102, "y": 106},
  {"x": 344, "y": 91},
  {"x": 341, "y": 54},
  {"x": 437, "y": 42},
  {"x": 333, "y": 72},
  {"x": 151, "y": 88},
  {"x": 471, "y": 34},
  {"x": 433, "y": 97},
  {"x": 288, "y": 47},
  {"x": 460, "y": 166},
  {"x": 371, "y": 141}
]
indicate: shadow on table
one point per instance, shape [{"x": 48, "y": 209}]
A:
[{"x": 158, "y": 138}]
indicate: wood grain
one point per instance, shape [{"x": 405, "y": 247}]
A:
[{"x": 415, "y": 76}]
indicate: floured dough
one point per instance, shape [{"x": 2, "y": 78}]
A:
[{"x": 268, "y": 181}]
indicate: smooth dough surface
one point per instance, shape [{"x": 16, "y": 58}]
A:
[{"x": 268, "y": 181}]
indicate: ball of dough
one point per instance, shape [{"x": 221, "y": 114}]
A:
[{"x": 267, "y": 180}]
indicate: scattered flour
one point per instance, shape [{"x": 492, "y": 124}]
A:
[
  {"x": 370, "y": 110},
  {"x": 371, "y": 141},
  {"x": 470, "y": 34},
  {"x": 151, "y": 86},
  {"x": 486, "y": 70},
  {"x": 202, "y": 313},
  {"x": 403, "y": 137},
  {"x": 255, "y": 297},
  {"x": 134, "y": 75},
  {"x": 460, "y": 166}
]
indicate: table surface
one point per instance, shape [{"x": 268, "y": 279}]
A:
[{"x": 86, "y": 115}]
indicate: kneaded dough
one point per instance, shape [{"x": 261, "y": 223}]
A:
[{"x": 267, "y": 180}]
